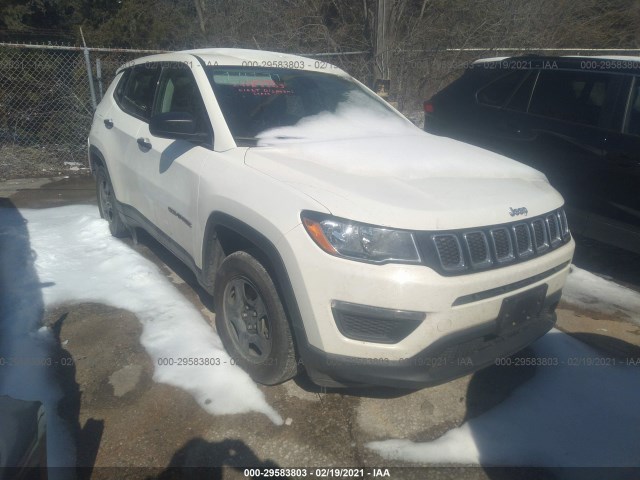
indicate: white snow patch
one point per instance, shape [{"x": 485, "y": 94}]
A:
[
  {"x": 591, "y": 292},
  {"x": 567, "y": 415},
  {"x": 85, "y": 264}
]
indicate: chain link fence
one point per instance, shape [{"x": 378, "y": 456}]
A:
[{"x": 46, "y": 104}]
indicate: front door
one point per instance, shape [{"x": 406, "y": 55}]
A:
[{"x": 174, "y": 165}]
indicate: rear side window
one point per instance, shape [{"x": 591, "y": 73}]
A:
[
  {"x": 498, "y": 92},
  {"x": 137, "y": 95},
  {"x": 119, "y": 91},
  {"x": 579, "y": 97},
  {"x": 633, "y": 123},
  {"x": 520, "y": 100}
]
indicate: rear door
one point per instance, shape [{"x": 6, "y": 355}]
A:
[
  {"x": 624, "y": 159},
  {"x": 470, "y": 109},
  {"x": 505, "y": 124},
  {"x": 134, "y": 111},
  {"x": 622, "y": 178},
  {"x": 570, "y": 117}
]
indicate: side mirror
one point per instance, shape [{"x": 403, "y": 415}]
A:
[{"x": 177, "y": 126}]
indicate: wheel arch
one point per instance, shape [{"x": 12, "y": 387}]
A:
[
  {"x": 225, "y": 234},
  {"x": 96, "y": 159}
]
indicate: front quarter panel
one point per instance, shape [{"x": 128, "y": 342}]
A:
[{"x": 228, "y": 186}]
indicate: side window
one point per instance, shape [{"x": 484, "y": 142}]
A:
[
  {"x": 137, "y": 96},
  {"x": 633, "y": 122},
  {"x": 498, "y": 92},
  {"x": 520, "y": 100},
  {"x": 119, "y": 91},
  {"x": 579, "y": 97},
  {"x": 178, "y": 92}
]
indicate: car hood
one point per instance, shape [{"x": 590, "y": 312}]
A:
[{"x": 415, "y": 181}]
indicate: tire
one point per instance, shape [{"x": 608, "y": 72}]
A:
[
  {"x": 107, "y": 204},
  {"x": 251, "y": 320}
]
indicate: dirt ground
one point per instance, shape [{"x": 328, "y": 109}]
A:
[
  {"x": 20, "y": 162},
  {"x": 122, "y": 418}
]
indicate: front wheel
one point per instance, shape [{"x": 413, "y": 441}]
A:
[
  {"x": 107, "y": 203},
  {"x": 251, "y": 320}
]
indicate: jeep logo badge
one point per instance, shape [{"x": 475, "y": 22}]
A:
[{"x": 518, "y": 211}]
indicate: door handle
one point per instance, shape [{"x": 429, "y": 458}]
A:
[
  {"x": 144, "y": 143},
  {"x": 108, "y": 123}
]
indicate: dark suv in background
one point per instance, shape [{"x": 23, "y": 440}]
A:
[{"x": 577, "y": 119}]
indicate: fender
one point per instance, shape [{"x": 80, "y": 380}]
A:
[
  {"x": 93, "y": 151},
  {"x": 272, "y": 260}
]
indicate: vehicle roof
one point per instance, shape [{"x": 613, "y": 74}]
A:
[
  {"x": 610, "y": 63},
  {"x": 243, "y": 57}
]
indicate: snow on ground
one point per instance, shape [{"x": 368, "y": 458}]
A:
[
  {"x": 572, "y": 414},
  {"x": 591, "y": 292},
  {"x": 79, "y": 261},
  {"x": 66, "y": 255}
]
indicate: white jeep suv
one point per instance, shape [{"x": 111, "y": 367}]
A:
[{"x": 333, "y": 235}]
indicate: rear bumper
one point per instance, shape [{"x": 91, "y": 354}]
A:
[{"x": 449, "y": 357}]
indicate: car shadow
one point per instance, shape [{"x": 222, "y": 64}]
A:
[
  {"x": 610, "y": 346},
  {"x": 88, "y": 436},
  {"x": 365, "y": 391},
  {"x": 36, "y": 365},
  {"x": 596, "y": 257},
  {"x": 487, "y": 389},
  {"x": 168, "y": 259},
  {"x": 172, "y": 152},
  {"x": 490, "y": 387},
  {"x": 200, "y": 460}
]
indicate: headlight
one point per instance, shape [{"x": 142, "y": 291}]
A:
[{"x": 357, "y": 241}]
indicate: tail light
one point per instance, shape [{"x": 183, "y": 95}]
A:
[{"x": 428, "y": 106}]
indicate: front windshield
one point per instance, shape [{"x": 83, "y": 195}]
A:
[{"x": 258, "y": 100}]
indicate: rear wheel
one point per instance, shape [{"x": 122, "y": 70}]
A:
[
  {"x": 251, "y": 320},
  {"x": 107, "y": 203}
]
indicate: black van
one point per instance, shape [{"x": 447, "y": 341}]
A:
[{"x": 577, "y": 119}]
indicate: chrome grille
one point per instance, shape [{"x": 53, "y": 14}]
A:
[{"x": 460, "y": 251}]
